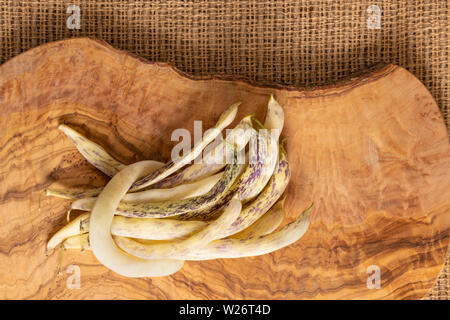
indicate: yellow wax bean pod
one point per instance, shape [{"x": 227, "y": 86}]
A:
[
  {"x": 73, "y": 194},
  {"x": 94, "y": 153},
  {"x": 167, "y": 249},
  {"x": 166, "y": 229},
  {"x": 196, "y": 206},
  {"x": 268, "y": 223},
  {"x": 214, "y": 160},
  {"x": 81, "y": 194},
  {"x": 141, "y": 228},
  {"x": 230, "y": 248},
  {"x": 225, "y": 119},
  {"x": 100, "y": 221},
  {"x": 71, "y": 229},
  {"x": 184, "y": 191},
  {"x": 77, "y": 242}
]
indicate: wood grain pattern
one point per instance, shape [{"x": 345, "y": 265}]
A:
[{"x": 372, "y": 153}]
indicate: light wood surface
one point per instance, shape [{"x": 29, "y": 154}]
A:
[{"x": 372, "y": 153}]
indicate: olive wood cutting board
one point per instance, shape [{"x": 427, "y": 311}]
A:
[{"x": 372, "y": 153}]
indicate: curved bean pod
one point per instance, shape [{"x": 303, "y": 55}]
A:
[
  {"x": 163, "y": 250},
  {"x": 100, "y": 221},
  {"x": 273, "y": 123},
  {"x": 209, "y": 165},
  {"x": 195, "y": 206},
  {"x": 71, "y": 229},
  {"x": 247, "y": 180},
  {"x": 164, "y": 229},
  {"x": 73, "y": 194},
  {"x": 265, "y": 200},
  {"x": 225, "y": 119},
  {"x": 184, "y": 191},
  {"x": 81, "y": 194},
  {"x": 140, "y": 228},
  {"x": 230, "y": 248},
  {"x": 268, "y": 223},
  {"x": 94, "y": 153}
]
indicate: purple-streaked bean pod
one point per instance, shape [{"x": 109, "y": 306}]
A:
[
  {"x": 229, "y": 248},
  {"x": 100, "y": 221},
  {"x": 166, "y": 170},
  {"x": 214, "y": 160},
  {"x": 140, "y": 228},
  {"x": 184, "y": 191},
  {"x": 195, "y": 206},
  {"x": 274, "y": 125},
  {"x": 265, "y": 200},
  {"x": 268, "y": 223},
  {"x": 167, "y": 249},
  {"x": 82, "y": 194},
  {"x": 73, "y": 194},
  {"x": 94, "y": 153},
  {"x": 248, "y": 179}
]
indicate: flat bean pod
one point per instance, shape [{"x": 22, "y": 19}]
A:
[
  {"x": 230, "y": 248},
  {"x": 94, "y": 154},
  {"x": 274, "y": 116},
  {"x": 268, "y": 223},
  {"x": 246, "y": 180},
  {"x": 225, "y": 119},
  {"x": 214, "y": 160},
  {"x": 195, "y": 206},
  {"x": 71, "y": 229},
  {"x": 184, "y": 191},
  {"x": 167, "y": 249},
  {"x": 265, "y": 200},
  {"x": 82, "y": 194},
  {"x": 151, "y": 217},
  {"x": 73, "y": 194},
  {"x": 141, "y": 228},
  {"x": 274, "y": 123},
  {"x": 233, "y": 247},
  {"x": 166, "y": 229},
  {"x": 100, "y": 221}
]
